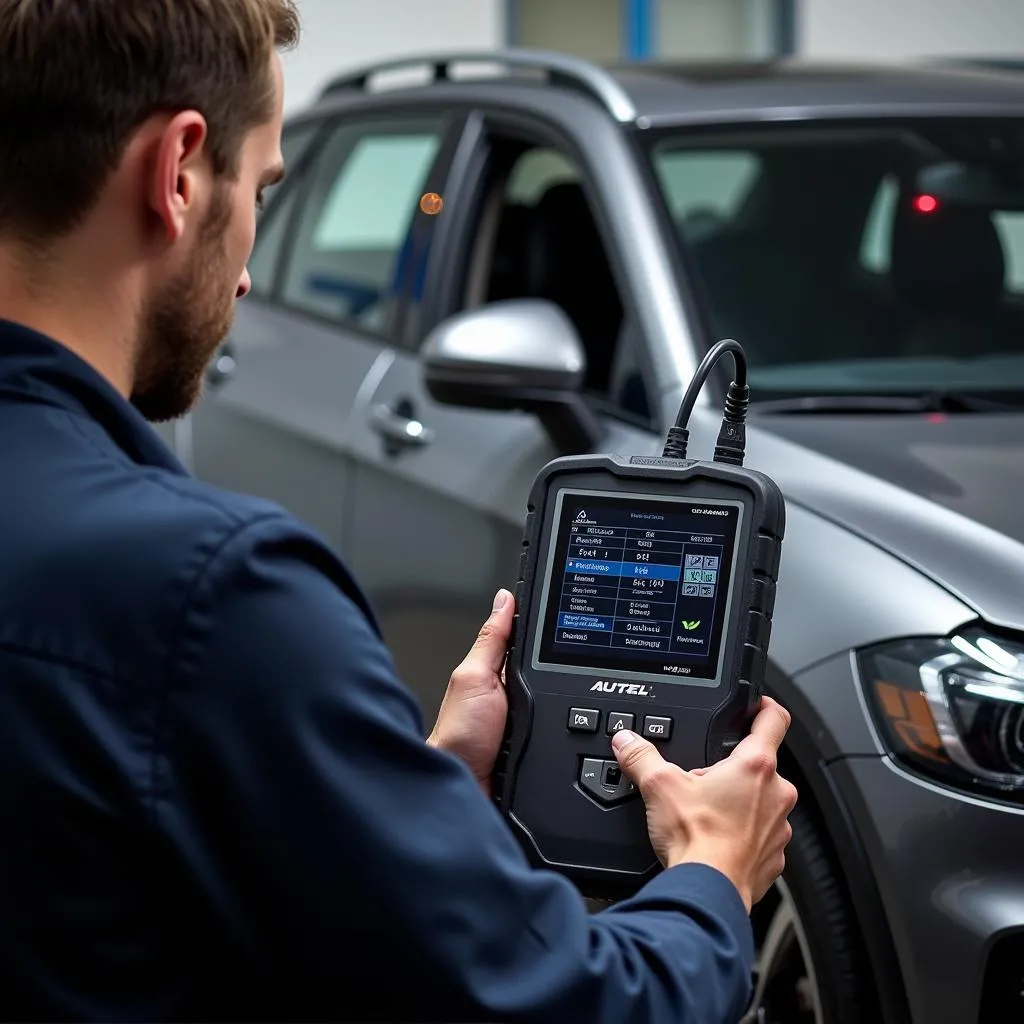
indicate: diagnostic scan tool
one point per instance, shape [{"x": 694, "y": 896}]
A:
[{"x": 645, "y": 602}]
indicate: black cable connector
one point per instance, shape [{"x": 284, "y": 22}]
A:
[
  {"x": 676, "y": 442},
  {"x": 732, "y": 437}
]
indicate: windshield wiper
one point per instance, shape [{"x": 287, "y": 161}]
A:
[{"x": 937, "y": 400}]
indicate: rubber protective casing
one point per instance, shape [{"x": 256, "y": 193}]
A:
[{"x": 606, "y": 850}]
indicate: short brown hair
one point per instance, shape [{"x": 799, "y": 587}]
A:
[{"x": 78, "y": 77}]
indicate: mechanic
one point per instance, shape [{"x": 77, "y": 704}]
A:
[{"x": 217, "y": 801}]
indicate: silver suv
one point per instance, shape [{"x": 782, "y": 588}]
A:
[{"x": 406, "y": 365}]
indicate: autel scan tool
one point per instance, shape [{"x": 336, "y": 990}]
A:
[{"x": 645, "y": 599}]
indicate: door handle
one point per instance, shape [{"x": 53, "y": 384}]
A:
[
  {"x": 399, "y": 426},
  {"x": 221, "y": 368}
]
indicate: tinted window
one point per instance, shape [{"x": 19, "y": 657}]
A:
[
  {"x": 862, "y": 258},
  {"x": 360, "y": 203},
  {"x": 537, "y": 171},
  {"x": 703, "y": 189},
  {"x": 294, "y": 140},
  {"x": 876, "y": 250},
  {"x": 270, "y": 238},
  {"x": 537, "y": 236},
  {"x": 274, "y": 217}
]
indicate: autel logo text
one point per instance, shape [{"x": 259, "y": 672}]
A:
[{"x": 630, "y": 689}]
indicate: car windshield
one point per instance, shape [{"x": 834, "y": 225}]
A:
[{"x": 874, "y": 259}]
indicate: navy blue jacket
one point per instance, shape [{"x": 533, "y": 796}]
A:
[{"x": 216, "y": 801}]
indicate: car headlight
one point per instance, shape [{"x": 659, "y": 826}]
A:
[{"x": 952, "y": 708}]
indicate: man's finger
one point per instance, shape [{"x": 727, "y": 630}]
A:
[
  {"x": 488, "y": 651},
  {"x": 637, "y": 757},
  {"x": 768, "y": 729},
  {"x": 771, "y": 723}
]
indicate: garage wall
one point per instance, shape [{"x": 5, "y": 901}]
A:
[
  {"x": 702, "y": 29},
  {"x": 900, "y": 29},
  {"x": 341, "y": 34},
  {"x": 585, "y": 28},
  {"x": 683, "y": 29}
]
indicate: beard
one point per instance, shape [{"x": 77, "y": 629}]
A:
[{"x": 185, "y": 323}]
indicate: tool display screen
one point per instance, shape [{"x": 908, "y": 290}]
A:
[{"x": 638, "y": 586}]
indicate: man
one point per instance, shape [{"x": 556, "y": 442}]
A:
[{"x": 216, "y": 799}]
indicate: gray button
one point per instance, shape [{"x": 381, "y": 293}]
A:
[
  {"x": 583, "y": 719},
  {"x": 619, "y": 720},
  {"x": 604, "y": 780},
  {"x": 657, "y": 728}
]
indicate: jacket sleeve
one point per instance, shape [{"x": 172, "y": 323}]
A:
[{"x": 298, "y": 792}]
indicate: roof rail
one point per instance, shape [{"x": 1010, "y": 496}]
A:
[{"x": 560, "y": 68}]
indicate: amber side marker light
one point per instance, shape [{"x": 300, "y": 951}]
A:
[{"x": 910, "y": 721}]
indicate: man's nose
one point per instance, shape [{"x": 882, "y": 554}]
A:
[{"x": 245, "y": 285}]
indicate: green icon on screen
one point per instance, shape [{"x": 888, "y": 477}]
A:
[{"x": 690, "y": 626}]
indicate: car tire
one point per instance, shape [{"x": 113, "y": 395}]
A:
[{"x": 808, "y": 916}]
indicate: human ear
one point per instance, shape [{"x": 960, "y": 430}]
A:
[{"x": 175, "y": 179}]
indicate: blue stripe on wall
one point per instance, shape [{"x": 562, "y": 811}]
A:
[
  {"x": 785, "y": 27},
  {"x": 511, "y": 22},
  {"x": 637, "y": 16}
]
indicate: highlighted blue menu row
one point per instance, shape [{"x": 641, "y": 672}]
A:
[
  {"x": 631, "y": 569},
  {"x": 591, "y": 622}
]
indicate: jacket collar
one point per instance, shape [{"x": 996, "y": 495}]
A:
[{"x": 36, "y": 368}]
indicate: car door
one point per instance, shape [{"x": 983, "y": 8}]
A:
[
  {"x": 440, "y": 492},
  {"x": 327, "y": 303}
]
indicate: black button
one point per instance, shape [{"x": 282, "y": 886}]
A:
[
  {"x": 604, "y": 780},
  {"x": 758, "y": 630},
  {"x": 657, "y": 728},
  {"x": 752, "y": 663},
  {"x": 767, "y": 555},
  {"x": 619, "y": 720},
  {"x": 583, "y": 719},
  {"x": 764, "y": 596}
]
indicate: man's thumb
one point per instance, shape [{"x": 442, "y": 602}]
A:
[
  {"x": 636, "y": 756},
  {"x": 491, "y": 644}
]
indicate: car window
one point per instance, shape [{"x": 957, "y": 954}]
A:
[
  {"x": 862, "y": 258},
  {"x": 270, "y": 238},
  {"x": 535, "y": 172},
  {"x": 537, "y": 236},
  {"x": 359, "y": 203},
  {"x": 274, "y": 217},
  {"x": 705, "y": 189},
  {"x": 876, "y": 254},
  {"x": 294, "y": 140}
]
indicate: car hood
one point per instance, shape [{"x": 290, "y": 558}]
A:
[{"x": 944, "y": 493}]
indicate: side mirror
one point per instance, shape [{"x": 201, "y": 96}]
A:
[{"x": 517, "y": 354}]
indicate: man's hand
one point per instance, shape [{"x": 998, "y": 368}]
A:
[
  {"x": 471, "y": 721},
  {"x": 731, "y": 815}
]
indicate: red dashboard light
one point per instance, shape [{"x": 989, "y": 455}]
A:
[{"x": 926, "y": 204}]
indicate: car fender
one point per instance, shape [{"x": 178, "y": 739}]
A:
[{"x": 836, "y": 593}]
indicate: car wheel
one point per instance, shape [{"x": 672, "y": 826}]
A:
[{"x": 811, "y": 965}]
